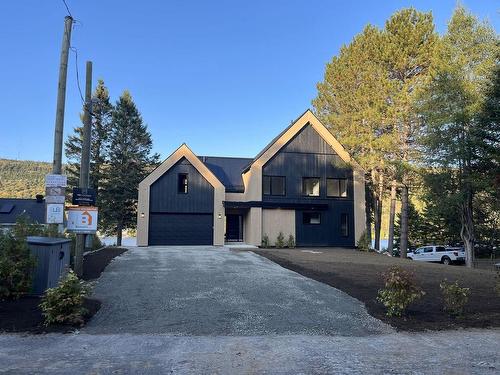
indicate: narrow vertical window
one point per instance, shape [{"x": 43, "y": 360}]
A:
[
  {"x": 336, "y": 187},
  {"x": 344, "y": 225},
  {"x": 182, "y": 183}
]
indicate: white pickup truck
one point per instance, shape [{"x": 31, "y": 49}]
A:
[{"x": 441, "y": 254}]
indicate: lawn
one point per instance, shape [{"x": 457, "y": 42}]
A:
[
  {"x": 359, "y": 275},
  {"x": 24, "y": 315}
]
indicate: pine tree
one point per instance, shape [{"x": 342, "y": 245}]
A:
[
  {"x": 455, "y": 137},
  {"x": 101, "y": 122},
  {"x": 352, "y": 103},
  {"x": 410, "y": 48},
  {"x": 129, "y": 160}
]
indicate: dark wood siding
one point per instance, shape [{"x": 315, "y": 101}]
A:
[
  {"x": 308, "y": 155},
  {"x": 165, "y": 198},
  {"x": 181, "y": 219}
]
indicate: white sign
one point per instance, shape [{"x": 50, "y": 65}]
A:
[
  {"x": 55, "y": 199},
  {"x": 54, "y": 190},
  {"x": 55, "y": 180},
  {"x": 82, "y": 219},
  {"x": 55, "y": 213}
]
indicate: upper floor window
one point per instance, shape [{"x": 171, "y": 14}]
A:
[
  {"x": 182, "y": 183},
  {"x": 310, "y": 186},
  {"x": 336, "y": 187},
  {"x": 273, "y": 185}
]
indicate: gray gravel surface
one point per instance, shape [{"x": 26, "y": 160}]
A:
[
  {"x": 441, "y": 353},
  {"x": 215, "y": 291}
]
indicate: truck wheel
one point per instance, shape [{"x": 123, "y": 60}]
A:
[
  {"x": 409, "y": 258},
  {"x": 446, "y": 261}
]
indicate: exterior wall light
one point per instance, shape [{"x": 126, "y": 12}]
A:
[
  {"x": 219, "y": 215},
  {"x": 142, "y": 215}
]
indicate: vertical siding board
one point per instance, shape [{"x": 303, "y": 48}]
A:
[
  {"x": 308, "y": 155},
  {"x": 165, "y": 198}
]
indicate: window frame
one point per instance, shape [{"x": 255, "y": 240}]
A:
[
  {"x": 304, "y": 213},
  {"x": 338, "y": 180},
  {"x": 185, "y": 183},
  {"x": 271, "y": 194},
  {"x": 319, "y": 186}
]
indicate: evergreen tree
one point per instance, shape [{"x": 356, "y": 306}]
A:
[
  {"x": 410, "y": 47},
  {"x": 456, "y": 140},
  {"x": 101, "y": 122},
  {"x": 352, "y": 103},
  {"x": 129, "y": 160}
]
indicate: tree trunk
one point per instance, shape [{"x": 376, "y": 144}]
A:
[
  {"x": 378, "y": 207},
  {"x": 403, "y": 241},
  {"x": 467, "y": 230},
  {"x": 119, "y": 234},
  {"x": 392, "y": 214},
  {"x": 368, "y": 209}
]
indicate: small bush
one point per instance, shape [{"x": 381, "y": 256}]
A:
[
  {"x": 280, "y": 241},
  {"x": 64, "y": 303},
  {"x": 364, "y": 242},
  {"x": 16, "y": 267},
  {"x": 291, "y": 242},
  {"x": 454, "y": 297},
  {"x": 399, "y": 292},
  {"x": 265, "y": 241}
]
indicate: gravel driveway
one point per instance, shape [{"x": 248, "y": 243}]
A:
[{"x": 213, "y": 291}]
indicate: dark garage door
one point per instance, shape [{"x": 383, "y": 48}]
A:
[{"x": 180, "y": 229}]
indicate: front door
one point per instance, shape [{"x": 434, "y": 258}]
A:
[{"x": 234, "y": 227}]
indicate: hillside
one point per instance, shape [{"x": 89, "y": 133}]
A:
[{"x": 22, "y": 178}]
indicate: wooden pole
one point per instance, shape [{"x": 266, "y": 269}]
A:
[
  {"x": 61, "y": 97},
  {"x": 403, "y": 241},
  {"x": 84, "y": 161}
]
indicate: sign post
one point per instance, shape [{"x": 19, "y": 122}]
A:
[{"x": 55, "y": 186}]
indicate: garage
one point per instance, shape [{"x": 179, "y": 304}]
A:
[{"x": 180, "y": 229}]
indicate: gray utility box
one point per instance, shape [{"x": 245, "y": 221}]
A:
[{"x": 52, "y": 261}]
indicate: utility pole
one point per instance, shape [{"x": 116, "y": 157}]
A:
[
  {"x": 84, "y": 161},
  {"x": 61, "y": 97}
]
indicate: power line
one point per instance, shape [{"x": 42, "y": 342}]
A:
[
  {"x": 75, "y": 51},
  {"x": 67, "y": 8}
]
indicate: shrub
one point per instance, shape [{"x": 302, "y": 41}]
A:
[
  {"x": 64, "y": 303},
  {"x": 16, "y": 266},
  {"x": 364, "y": 242},
  {"x": 291, "y": 242},
  {"x": 399, "y": 292},
  {"x": 454, "y": 297},
  {"x": 265, "y": 240},
  {"x": 280, "y": 241}
]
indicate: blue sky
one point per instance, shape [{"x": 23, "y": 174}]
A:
[{"x": 223, "y": 76}]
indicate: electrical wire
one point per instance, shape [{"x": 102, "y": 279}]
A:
[{"x": 67, "y": 8}]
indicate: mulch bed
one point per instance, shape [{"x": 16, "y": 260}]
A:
[
  {"x": 24, "y": 315},
  {"x": 359, "y": 275},
  {"x": 95, "y": 262}
]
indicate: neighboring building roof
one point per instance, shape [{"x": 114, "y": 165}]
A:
[
  {"x": 11, "y": 208},
  {"x": 228, "y": 170}
]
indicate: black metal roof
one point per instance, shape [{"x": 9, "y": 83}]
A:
[
  {"x": 228, "y": 171},
  {"x": 11, "y": 208}
]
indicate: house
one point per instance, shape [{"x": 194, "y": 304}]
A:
[
  {"x": 12, "y": 208},
  {"x": 302, "y": 184}
]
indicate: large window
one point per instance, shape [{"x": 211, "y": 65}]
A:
[
  {"x": 336, "y": 187},
  {"x": 182, "y": 183},
  {"x": 273, "y": 185},
  {"x": 310, "y": 186},
  {"x": 344, "y": 225},
  {"x": 313, "y": 218}
]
